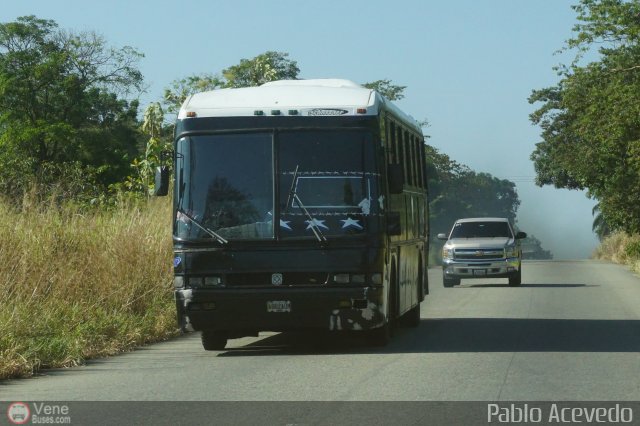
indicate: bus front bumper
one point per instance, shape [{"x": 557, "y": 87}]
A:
[{"x": 280, "y": 309}]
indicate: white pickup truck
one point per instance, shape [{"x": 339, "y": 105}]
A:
[{"x": 481, "y": 247}]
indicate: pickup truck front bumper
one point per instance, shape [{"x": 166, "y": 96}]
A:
[{"x": 495, "y": 268}]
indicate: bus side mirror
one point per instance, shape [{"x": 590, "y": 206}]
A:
[
  {"x": 393, "y": 224},
  {"x": 161, "y": 187},
  {"x": 395, "y": 178},
  {"x": 521, "y": 235}
]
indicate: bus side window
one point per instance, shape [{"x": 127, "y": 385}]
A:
[
  {"x": 407, "y": 158},
  {"x": 421, "y": 170},
  {"x": 412, "y": 158},
  {"x": 416, "y": 162},
  {"x": 401, "y": 153},
  {"x": 391, "y": 150}
]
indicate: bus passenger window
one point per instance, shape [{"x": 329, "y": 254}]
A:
[{"x": 393, "y": 157}]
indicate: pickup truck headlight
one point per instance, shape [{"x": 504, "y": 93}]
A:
[
  {"x": 511, "y": 252},
  {"x": 447, "y": 253}
]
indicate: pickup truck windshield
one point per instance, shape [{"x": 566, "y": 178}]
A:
[{"x": 481, "y": 230}]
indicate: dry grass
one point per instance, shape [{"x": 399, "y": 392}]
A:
[
  {"x": 76, "y": 286},
  {"x": 617, "y": 248}
]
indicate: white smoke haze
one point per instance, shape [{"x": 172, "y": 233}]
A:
[{"x": 559, "y": 218}]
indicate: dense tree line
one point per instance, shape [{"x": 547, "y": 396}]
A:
[
  {"x": 456, "y": 191},
  {"x": 63, "y": 118},
  {"x": 590, "y": 120}
]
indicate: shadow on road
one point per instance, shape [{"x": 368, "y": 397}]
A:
[
  {"x": 528, "y": 285},
  {"x": 467, "y": 335}
]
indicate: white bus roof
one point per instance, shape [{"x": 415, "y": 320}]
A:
[{"x": 305, "y": 97}]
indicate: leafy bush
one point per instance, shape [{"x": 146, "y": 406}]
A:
[{"x": 632, "y": 249}]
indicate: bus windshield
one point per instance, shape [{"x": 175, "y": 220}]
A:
[
  {"x": 333, "y": 177},
  {"x": 225, "y": 185}
]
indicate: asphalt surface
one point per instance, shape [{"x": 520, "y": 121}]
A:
[{"x": 571, "y": 332}]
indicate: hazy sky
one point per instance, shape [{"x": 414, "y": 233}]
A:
[{"x": 469, "y": 67}]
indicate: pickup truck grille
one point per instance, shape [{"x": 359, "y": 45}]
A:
[{"x": 478, "y": 254}]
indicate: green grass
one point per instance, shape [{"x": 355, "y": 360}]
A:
[{"x": 75, "y": 286}]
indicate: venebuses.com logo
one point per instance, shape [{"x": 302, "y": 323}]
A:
[{"x": 18, "y": 413}]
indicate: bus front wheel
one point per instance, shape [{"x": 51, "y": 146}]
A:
[
  {"x": 213, "y": 340},
  {"x": 380, "y": 336}
]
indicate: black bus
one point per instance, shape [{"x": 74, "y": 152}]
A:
[{"x": 298, "y": 205}]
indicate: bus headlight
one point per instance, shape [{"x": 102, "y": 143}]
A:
[
  {"x": 178, "y": 282},
  {"x": 213, "y": 281},
  {"x": 194, "y": 282},
  {"x": 376, "y": 278},
  {"x": 358, "y": 278},
  {"x": 341, "y": 278},
  {"x": 351, "y": 278}
]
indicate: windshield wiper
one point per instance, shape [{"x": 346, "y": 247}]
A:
[
  {"x": 195, "y": 221},
  {"x": 312, "y": 222},
  {"x": 292, "y": 189}
]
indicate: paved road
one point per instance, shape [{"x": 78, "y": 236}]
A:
[{"x": 570, "y": 332}]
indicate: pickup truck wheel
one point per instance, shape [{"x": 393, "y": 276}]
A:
[
  {"x": 449, "y": 282},
  {"x": 516, "y": 279},
  {"x": 213, "y": 340}
]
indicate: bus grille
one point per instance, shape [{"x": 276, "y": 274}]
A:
[{"x": 265, "y": 279}]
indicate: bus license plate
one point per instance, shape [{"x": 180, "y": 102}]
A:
[
  {"x": 279, "y": 306},
  {"x": 479, "y": 272}
]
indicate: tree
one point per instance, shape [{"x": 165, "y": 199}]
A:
[
  {"x": 387, "y": 89},
  {"x": 175, "y": 95},
  {"x": 60, "y": 97},
  {"x": 456, "y": 191},
  {"x": 600, "y": 226},
  {"x": 589, "y": 120},
  {"x": 152, "y": 126},
  {"x": 532, "y": 249},
  {"x": 268, "y": 66}
]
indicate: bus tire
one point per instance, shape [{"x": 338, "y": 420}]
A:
[
  {"x": 213, "y": 340},
  {"x": 380, "y": 336},
  {"x": 413, "y": 316}
]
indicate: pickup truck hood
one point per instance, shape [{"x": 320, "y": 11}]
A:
[{"x": 484, "y": 243}]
